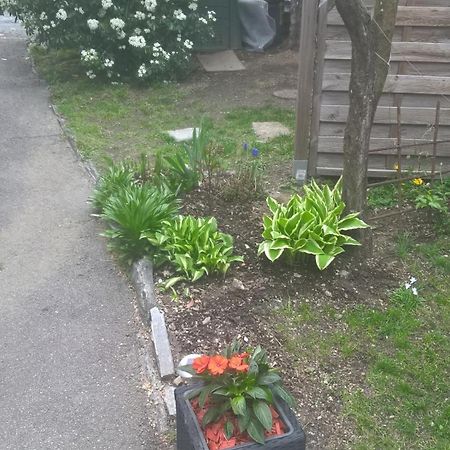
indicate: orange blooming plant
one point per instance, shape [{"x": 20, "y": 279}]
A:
[{"x": 237, "y": 396}]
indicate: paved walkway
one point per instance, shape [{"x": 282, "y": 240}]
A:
[{"x": 70, "y": 376}]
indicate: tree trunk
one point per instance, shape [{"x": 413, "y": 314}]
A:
[
  {"x": 371, "y": 38},
  {"x": 371, "y": 47}
]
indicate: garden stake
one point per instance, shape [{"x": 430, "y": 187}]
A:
[{"x": 436, "y": 131}]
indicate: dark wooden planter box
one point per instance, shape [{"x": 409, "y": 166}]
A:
[{"x": 190, "y": 436}]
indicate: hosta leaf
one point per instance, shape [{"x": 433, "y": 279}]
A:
[
  {"x": 272, "y": 254},
  {"x": 278, "y": 235},
  {"x": 347, "y": 240},
  {"x": 261, "y": 247},
  {"x": 172, "y": 282},
  {"x": 351, "y": 222},
  {"x": 263, "y": 414},
  {"x": 272, "y": 204},
  {"x": 312, "y": 247},
  {"x": 326, "y": 229},
  {"x": 292, "y": 223},
  {"x": 323, "y": 261},
  {"x": 280, "y": 244},
  {"x": 299, "y": 244}
]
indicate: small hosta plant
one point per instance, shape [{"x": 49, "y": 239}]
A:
[
  {"x": 194, "y": 246},
  {"x": 236, "y": 401},
  {"x": 134, "y": 211},
  {"x": 312, "y": 224}
]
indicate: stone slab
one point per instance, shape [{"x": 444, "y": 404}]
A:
[
  {"x": 286, "y": 94},
  {"x": 225, "y": 61},
  {"x": 169, "y": 400},
  {"x": 161, "y": 343},
  {"x": 183, "y": 134},
  {"x": 142, "y": 276},
  {"x": 265, "y": 131}
]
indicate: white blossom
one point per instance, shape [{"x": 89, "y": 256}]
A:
[
  {"x": 139, "y": 15},
  {"x": 117, "y": 24},
  {"x": 142, "y": 71},
  {"x": 150, "y": 5},
  {"x": 92, "y": 24},
  {"x": 193, "y": 6},
  {"x": 179, "y": 15},
  {"x": 137, "y": 41},
  {"x": 61, "y": 14},
  {"x": 107, "y": 4}
]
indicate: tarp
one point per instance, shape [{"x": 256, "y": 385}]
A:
[{"x": 258, "y": 28}]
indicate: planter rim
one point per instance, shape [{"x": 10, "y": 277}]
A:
[{"x": 279, "y": 410}]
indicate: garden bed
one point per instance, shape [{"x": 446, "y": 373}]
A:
[
  {"x": 367, "y": 371},
  {"x": 299, "y": 315}
]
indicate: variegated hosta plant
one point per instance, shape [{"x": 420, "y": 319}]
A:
[
  {"x": 312, "y": 224},
  {"x": 194, "y": 246}
]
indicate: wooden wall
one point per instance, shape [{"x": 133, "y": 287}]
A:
[{"x": 419, "y": 76}]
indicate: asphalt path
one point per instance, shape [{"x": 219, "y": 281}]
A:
[{"x": 70, "y": 374}]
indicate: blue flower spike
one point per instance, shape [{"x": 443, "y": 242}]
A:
[
  {"x": 245, "y": 146},
  {"x": 255, "y": 152}
]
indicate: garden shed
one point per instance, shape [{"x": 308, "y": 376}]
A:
[{"x": 414, "y": 110}]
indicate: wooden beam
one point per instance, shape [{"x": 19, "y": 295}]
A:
[
  {"x": 434, "y": 52},
  {"x": 387, "y": 115},
  {"x": 334, "y": 144},
  {"x": 415, "y": 16},
  {"x": 395, "y": 84},
  {"x": 310, "y": 69}
]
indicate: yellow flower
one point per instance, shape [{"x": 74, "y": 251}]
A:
[
  {"x": 417, "y": 181},
  {"x": 396, "y": 167}
]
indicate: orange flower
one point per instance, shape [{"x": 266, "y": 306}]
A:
[
  {"x": 237, "y": 363},
  {"x": 217, "y": 365},
  {"x": 200, "y": 364}
]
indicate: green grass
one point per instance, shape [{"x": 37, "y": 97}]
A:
[
  {"x": 404, "y": 402},
  {"x": 123, "y": 121}
]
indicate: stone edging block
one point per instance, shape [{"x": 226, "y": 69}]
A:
[{"x": 142, "y": 277}]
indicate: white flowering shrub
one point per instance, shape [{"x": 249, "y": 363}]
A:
[{"x": 140, "y": 39}]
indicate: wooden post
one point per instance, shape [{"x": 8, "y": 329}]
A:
[
  {"x": 311, "y": 59},
  {"x": 435, "y": 136},
  {"x": 399, "y": 153}
]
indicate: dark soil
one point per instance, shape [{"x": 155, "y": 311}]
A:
[
  {"x": 265, "y": 73},
  {"x": 244, "y": 304}
]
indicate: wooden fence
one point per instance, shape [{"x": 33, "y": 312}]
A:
[{"x": 418, "y": 79}]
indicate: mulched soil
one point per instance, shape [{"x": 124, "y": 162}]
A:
[{"x": 242, "y": 305}]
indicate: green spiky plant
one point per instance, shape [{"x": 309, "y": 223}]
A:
[{"x": 133, "y": 211}]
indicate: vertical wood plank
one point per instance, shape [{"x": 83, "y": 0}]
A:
[
  {"x": 435, "y": 137},
  {"x": 319, "y": 65},
  {"x": 307, "y": 57}
]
